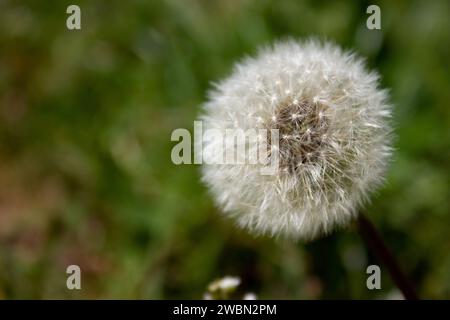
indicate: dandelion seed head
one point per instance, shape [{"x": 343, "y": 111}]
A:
[{"x": 334, "y": 146}]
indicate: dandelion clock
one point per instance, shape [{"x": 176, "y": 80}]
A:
[{"x": 334, "y": 138}]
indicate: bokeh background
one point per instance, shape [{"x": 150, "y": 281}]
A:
[{"x": 85, "y": 170}]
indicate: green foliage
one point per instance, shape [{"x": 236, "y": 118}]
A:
[{"x": 85, "y": 170}]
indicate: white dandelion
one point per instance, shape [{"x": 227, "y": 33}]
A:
[{"x": 334, "y": 146}]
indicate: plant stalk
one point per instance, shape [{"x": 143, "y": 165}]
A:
[{"x": 375, "y": 243}]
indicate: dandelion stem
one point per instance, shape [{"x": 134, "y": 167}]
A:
[{"x": 374, "y": 241}]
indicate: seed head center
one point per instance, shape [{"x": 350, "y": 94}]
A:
[{"x": 302, "y": 128}]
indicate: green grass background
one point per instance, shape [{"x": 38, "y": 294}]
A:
[{"x": 85, "y": 170}]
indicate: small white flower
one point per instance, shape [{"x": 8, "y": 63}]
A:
[
  {"x": 250, "y": 296},
  {"x": 336, "y": 118},
  {"x": 226, "y": 283},
  {"x": 207, "y": 296}
]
